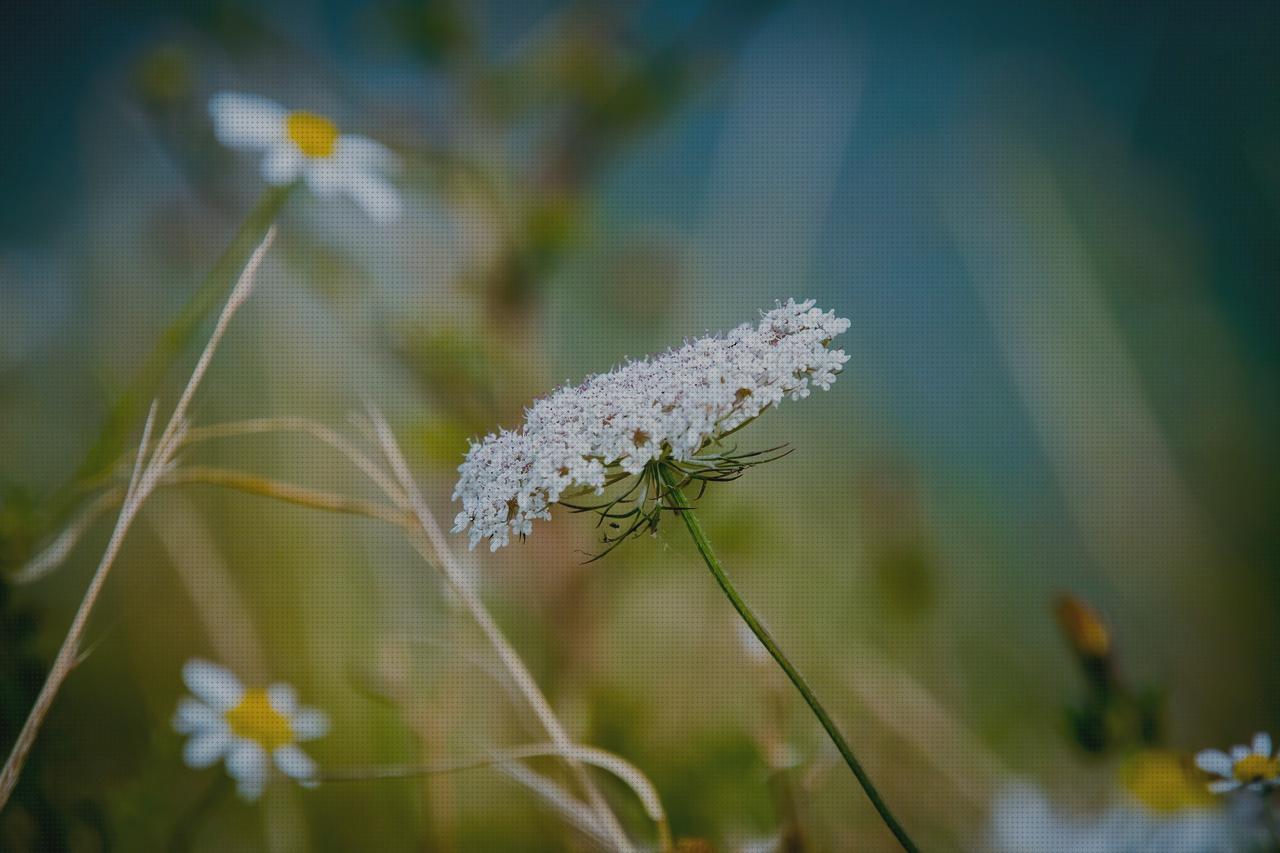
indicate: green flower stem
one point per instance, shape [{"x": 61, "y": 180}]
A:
[
  {"x": 129, "y": 409},
  {"x": 681, "y": 504}
]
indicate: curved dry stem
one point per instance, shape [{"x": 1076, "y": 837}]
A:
[
  {"x": 439, "y": 554},
  {"x": 61, "y": 548},
  {"x": 619, "y": 767},
  {"x": 578, "y": 814},
  {"x": 320, "y": 432},
  {"x": 56, "y": 554}
]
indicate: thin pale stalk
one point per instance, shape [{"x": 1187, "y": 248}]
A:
[
  {"x": 148, "y": 470},
  {"x": 239, "y": 293},
  {"x": 443, "y": 557},
  {"x": 681, "y": 504},
  {"x": 69, "y": 652}
]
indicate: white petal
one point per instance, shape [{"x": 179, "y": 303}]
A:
[
  {"x": 216, "y": 685},
  {"x": 1240, "y": 753},
  {"x": 295, "y": 763},
  {"x": 378, "y": 198},
  {"x": 1215, "y": 761},
  {"x": 309, "y": 724},
  {"x": 247, "y": 122},
  {"x": 247, "y": 763},
  {"x": 283, "y": 698},
  {"x": 361, "y": 154},
  {"x": 193, "y": 716},
  {"x": 206, "y": 748},
  {"x": 324, "y": 176},
  {"x": 1262, "y": 744},
  {"x": 1223, "y": 785},
  {"x": 283, "y": 164}
]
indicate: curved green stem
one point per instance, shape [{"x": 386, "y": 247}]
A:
[{"x": 680, "y": 503}]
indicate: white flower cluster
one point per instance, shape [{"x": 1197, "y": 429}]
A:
[{"x": 669, "y": 406}]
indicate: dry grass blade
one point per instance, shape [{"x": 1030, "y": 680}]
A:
[
  {"x": 60, "y": 549},
  {"x": 150, "y": 467},
  {"x": 442, "y": 556},
  {"x": 607, "y": 761}
]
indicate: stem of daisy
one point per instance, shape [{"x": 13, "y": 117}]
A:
[{"x": 681, "y": 504}]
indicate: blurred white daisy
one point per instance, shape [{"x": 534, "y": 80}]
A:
[
  {"x": 299, "y": 144},
  {"x": 1158, "y": 807},
  {"x": 1254, "y": 766},
  {"x": 251, "y": 728}
]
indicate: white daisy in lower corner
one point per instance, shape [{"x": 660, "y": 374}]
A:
[
  {"x": 297, "y": 144},
  {"x": 1254, "y": 766},
  {"x": 254, "y": 730}
]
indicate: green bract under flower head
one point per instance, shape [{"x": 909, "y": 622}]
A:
[{"x": 670, "y": 407}]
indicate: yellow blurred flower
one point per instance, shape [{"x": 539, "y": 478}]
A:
[{"x": 1162, "y": 782}]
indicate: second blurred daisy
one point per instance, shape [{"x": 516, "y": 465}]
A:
[
  {"x": 1253, "y": 765},
  {"x": 303, "y": 145}
]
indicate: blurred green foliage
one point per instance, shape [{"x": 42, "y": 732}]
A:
[{"x": 973, "y": 185}]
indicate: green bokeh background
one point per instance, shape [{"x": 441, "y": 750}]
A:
[{"x": 1053, "y": 226}]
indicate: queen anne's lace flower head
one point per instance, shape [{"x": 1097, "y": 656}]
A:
[{"x": 668, "y": 407}]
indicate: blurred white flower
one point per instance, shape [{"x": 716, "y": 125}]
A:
[
  {"x": 305, "y": 145},
  {"x": 251, "y": 728},
  {"x": 1254, "y": 766},
  {"x": 1158, "y": 808},
  {"x": 667, "y": 407}
]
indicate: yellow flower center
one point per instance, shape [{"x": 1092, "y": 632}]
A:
[
  {"x": 1256, "y": 768},
  {"x": 314, "y": 135},
  {"x": 1162, "y": 782},
  {"x": 256, "y": 719}
]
